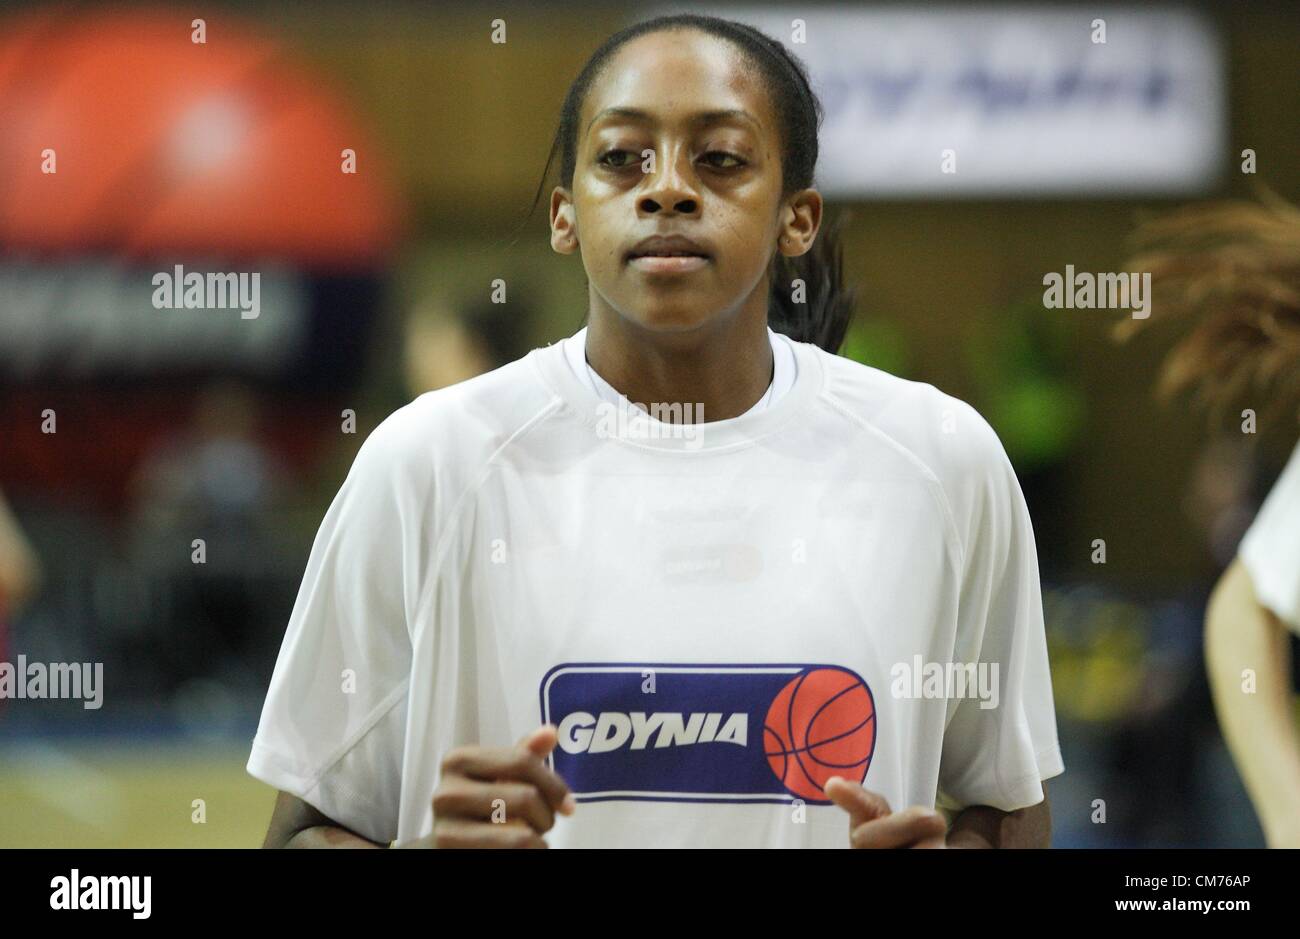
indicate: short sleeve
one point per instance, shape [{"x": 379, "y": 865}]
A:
[
  {"x": 1270, "y": 549},
  {"x": 997, "y": 751},
  {"x": 333, "y": 725}
]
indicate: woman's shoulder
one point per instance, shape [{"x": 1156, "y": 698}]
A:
[
  {"x": 459, "y": 426},
  {"x": 944, "y": 433}
]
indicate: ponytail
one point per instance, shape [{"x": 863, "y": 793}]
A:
[{"x": 809, "y": 301}]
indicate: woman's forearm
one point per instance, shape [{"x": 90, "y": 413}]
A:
[
  {"x": 326, "y": 836},
  {"x": 1259, "y": 727},
  {"x": 296, "y": 824}
]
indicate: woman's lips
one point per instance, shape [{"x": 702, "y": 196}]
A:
[{"x": 667, "y": 264}]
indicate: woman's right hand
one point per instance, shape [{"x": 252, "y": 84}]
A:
[{"x": 498, "y": 797}]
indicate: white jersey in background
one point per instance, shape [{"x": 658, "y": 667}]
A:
[
  {"x": 717, "y": 617},
  {"x": 1270, "y": 549}
]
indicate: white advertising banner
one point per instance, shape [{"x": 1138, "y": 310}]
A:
[{"x": 1010, "y": 100}]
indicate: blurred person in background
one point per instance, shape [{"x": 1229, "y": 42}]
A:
[
  {"x": 1220, "y": 502},
  {"x": 214, "y": 480},
  {"x": 1232, "y": 270},
  {"x": 448, "y": 344},
  {"x": 20, "y": 572},
  {"x": 216, "y": 470}
]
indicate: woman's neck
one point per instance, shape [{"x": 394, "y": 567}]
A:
[{"x": 721, "y": 369}]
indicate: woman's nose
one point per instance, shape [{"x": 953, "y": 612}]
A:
[{"x": 669, "y": 189}]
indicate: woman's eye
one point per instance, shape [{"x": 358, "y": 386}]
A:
[
  {"x": 725, "y": 156},
  {"x": 619, "y": 159},
  {"x": 604, "y": 158}
]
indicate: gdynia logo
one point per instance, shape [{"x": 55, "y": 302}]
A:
[
  {"x": 76, "y": 892},
  {"x": 691, "y": 733},
  {"x": 581, "y": 732}
]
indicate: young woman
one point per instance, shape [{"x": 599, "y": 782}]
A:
[
  {"x": 1231, "y": 271},
  {"x": 535, "y": 609}
]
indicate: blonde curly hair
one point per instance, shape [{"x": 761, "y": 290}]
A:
[{"x": 1228, "y": 273}]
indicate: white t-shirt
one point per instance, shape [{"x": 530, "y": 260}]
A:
[
  {"x": 783, "y": 369},
  {"x": 717, "y": 617},
  {"x": 1270, "y": 549}
]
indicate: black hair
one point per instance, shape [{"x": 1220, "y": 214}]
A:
[
  {"x": 824, "y": 314},
  {"x": 502, "y": 329}
]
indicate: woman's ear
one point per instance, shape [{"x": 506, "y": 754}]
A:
[
  {"x": 564, "y": 223},
  {"x": 801, "y": 217}
]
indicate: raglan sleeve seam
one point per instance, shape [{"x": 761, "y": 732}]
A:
[{"x": 312, "y": 778}]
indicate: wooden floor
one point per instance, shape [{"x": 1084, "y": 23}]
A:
[{"x": 137, "y": 795}]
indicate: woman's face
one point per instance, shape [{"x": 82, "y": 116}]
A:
[{"x": 715, "y": 180}]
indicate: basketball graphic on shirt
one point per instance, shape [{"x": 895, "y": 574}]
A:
[{"x": 821, "y": 724}]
